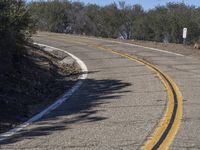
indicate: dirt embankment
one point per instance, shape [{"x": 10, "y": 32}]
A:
[{"x": 35, "y": 83}]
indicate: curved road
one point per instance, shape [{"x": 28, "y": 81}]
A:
[{"x": 120, "y": 104}]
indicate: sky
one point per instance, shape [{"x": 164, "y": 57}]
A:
[{"x": 147, "y": 4}]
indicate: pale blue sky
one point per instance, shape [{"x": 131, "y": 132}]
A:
[{"x": 147, "y": 4}]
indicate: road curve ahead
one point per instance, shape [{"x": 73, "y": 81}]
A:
[{"x": 126, "y": 102}]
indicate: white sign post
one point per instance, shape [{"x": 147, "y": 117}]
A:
[{"x": 184, "y": 35}]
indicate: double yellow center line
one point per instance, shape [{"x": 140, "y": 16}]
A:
[
  {"x": 168, "y": 126},
  {"x": 170, "y": 122}
]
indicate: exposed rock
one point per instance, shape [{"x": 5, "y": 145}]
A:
[
  {"x": 197, "y": 46},
  {"x": 67, "y": 61}
]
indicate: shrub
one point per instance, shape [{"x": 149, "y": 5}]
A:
[{"x": 15, "y": 28}]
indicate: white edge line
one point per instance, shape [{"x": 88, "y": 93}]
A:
[
  {"x": 153, "y": 49},
  {"x": 131, "y": 44},
  {"x": 57, "y": 103}
]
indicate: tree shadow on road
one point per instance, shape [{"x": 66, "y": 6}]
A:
[{"x": 82, "y": 107}]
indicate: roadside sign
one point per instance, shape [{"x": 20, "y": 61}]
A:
[{"x": 184, "y": 33}]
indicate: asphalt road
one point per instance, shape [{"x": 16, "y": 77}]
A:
[{"x": 120, "y": 104}]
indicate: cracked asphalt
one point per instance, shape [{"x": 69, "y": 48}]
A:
[{"x": 120, "y": 103}]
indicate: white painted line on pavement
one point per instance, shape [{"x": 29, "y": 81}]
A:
[
  {"x": 131, "y": 44},
  {"x": 153, "y": 49},
  {"x": 56, "y": 104}
]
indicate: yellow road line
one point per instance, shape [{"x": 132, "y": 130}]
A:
[
  {"x": 170, "y": 122},
  {"x": 168, "y": 126}
]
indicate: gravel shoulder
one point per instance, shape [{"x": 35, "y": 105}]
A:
[{"x": 40, "y": 78}]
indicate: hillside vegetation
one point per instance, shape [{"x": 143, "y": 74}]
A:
[
  {"x": 15, "y": 30},
  {"x": 162, "y": 24}
]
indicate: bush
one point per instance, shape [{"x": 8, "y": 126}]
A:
[
  {"x": 198, "y": 41},
  {"x": 15, "y": 28}
]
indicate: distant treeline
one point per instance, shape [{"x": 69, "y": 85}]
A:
[{"x": 163, "y": 23}]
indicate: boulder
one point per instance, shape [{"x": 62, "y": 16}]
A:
[{"x": 197, "y": 46}]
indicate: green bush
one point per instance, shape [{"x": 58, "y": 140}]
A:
[
  {"x": 15, "y": 28},
  {"x": 198, "y": 41}
]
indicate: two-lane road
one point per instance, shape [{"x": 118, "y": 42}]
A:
[{"x": 122, "y": 101}]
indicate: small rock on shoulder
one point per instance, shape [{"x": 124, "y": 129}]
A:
[{"x": 197, "y": 46}]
